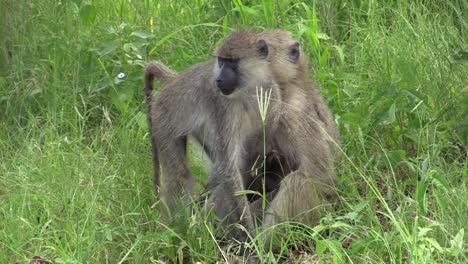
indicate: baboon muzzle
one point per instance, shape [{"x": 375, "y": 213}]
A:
[{"x": 227, "y": 80}]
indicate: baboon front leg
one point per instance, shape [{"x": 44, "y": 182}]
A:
[
  {"x": 226, "y": 197},
  {"x": 231, "y": 206}
]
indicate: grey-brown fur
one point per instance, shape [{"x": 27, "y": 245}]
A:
[
  {"x": 155, "y": 70},
  {"x": 299, "y": 127}
]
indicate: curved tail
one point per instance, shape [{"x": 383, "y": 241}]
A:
[{"x": 155, "y": 70}]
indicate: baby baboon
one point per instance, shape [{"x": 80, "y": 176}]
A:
[
  {"x": 267, "y": 176},
  {"x": 215, "y": 102}
]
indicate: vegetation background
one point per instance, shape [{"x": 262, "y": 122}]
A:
[{"x": 75, "y": 168}]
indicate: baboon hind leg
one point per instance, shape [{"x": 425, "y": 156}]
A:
[
  {"x": 177, "y": 180},
  {"x": 299, "y": 199}
]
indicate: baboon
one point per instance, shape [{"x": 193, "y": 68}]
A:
[
  {"x": 215, "y": 102},
  {"x": 275, "y": 164}
]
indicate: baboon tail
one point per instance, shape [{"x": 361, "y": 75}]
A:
[{"x": 155, "y": 70}]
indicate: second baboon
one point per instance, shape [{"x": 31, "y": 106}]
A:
[{"x": 215, "y": 102}]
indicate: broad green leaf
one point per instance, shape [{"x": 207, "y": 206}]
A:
[
  {"x": 108, "y": 47},
  {"x": 396, "y": 156},
  {"x": 319, "y": 228},
  {"x": 324, "y": 36},
  {"x": 320, "y": 247},
  {"x": 340, "y": 224},
  {"x": 354, "y": 215},
  {"x": 391, "y": 113},
  {"x": 340, "y": 52},
  {"x": 423, "y": 231},
  {"x": 111, "y": 30},
  {"x": 457, "y": 243},
  {"x": 434, "y": 243},
  {"x": 142, "y": 34},
  {"x": 108, "y": 234},
  {"x": 440, "y": 178},
  {"x": 88, "y": 14},
  {"x": 421, "y": 195}
]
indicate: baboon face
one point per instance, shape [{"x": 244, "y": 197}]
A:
[
  {"x": 287, "y": 62},
  {"x": 240, "y": 62}
]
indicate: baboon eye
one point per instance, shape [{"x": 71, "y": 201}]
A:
[
  {"x": 232, "y": 63},
  {"x": 294, "y": 52},
  {"x": 220, "y": 62},
  {"x": 262, "y": 48}
]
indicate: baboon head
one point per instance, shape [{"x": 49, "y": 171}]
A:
[
  {"x": 241, "y": 61},
  {"x": 247, "y": 59},
  {"x": 287, "y": 61}
]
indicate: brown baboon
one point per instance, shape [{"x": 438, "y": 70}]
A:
[
  {"x": 215, "y": 102},
  {"x": 276, "y": 165}
]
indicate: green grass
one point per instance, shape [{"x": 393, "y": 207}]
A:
[{"x": 75, "y": 168}]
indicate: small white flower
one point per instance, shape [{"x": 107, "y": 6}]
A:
[
  {"x": 121, "y": 75},
  {"x": 139, "y": 57}
]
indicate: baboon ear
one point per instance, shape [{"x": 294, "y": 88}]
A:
[
  {"x": 294, "y": 52},
  {"x": 262, "y": 48}
]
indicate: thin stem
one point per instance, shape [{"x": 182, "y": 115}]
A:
[{"x": 263, "y": 100}]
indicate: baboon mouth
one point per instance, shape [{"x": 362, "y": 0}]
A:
[{"x": 226, "y": 91}]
